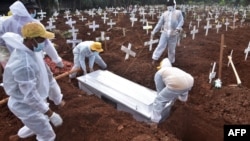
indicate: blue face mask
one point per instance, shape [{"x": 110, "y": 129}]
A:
[
  {"x": 33, "y": 15},
  {"x": 39, "y": 47}
]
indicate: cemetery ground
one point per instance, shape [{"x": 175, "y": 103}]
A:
[{"x": 201, "y": 118}]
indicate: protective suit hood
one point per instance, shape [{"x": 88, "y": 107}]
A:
[
  {"x": 17, "y": 8},
  {"x": 164, "y": 63},
  {"x": 14, "y": 40}
]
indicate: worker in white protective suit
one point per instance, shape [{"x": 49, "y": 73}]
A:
[
  {"x": 21, "y": 14},
  {"x": 28, "y": 81},
  {"x": 90, "y": 50},
  {"x": 171, "y": 21},
  {"x": 171, "y": 83}
]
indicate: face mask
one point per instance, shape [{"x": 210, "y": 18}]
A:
[
  {"x": 170, "y": 8},
  {"x": 39, "y": 47},
  {"x": 33, "y": 15}
]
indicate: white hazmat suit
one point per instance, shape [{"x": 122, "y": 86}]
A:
[
  {"x": 83, "y": 51},
  {"x": 14, "y": 23},
  {"x": 171, "y": 83},
  {"x": 28, "y": 81},
  {"x": 171, "y": 21}
]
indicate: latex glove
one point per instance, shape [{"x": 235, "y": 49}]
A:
[
  {"x": 56, "y": 119},
  {"x": 91, "y": 70},
  {"x": 60, "y": 64}
]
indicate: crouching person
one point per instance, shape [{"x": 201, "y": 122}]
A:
[
  {"x": 90, "y": 50},
  {"x": 171, "y": 83},
  {"x": 26, "y": 81}
]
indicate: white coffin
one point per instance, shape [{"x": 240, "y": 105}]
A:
[{"x": 124, "y": 94}]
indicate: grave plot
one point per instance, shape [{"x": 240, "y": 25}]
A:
[{"x": 207, "y": 109}]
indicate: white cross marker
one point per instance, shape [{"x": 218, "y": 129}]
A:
[
  {"x": 91, "y": 13},
  {"x": 82, "y": 19},
  {"x": 150, "y": 43},
  {"x": 143, "y": 20},
  {"x": 42, "y": 14},
  {"x": 218, "y": 26},
  {"x": 234, "y": 20},
  {"x": 242, "y": 21},
  {"x": 198, "y": 21},
  {"x": 70, "y": 22},
  {"x": 133, "y": 19},
  {"x": 190, "y": 25},
  {"x": 102, "y": 38},
  {"x": 151, "y": 13},
  {"x": 247, "y": 50},
  {"x": 128, "y": 51},
  {"x": 104, "y": 17},
  {"x": 207, "y": 27},
  {"x": 212, "y": 73},
  {"x": 147, "y": 27},
  {"x": 111, "y": 23},
  {"x": 73, "y": 30},
  {"x": 193, "y": 32},
  {"x": 94, "y": 26},
  {"x": 67, "y": 16},
  {"x": 226, "y": 23},
  {"x": 50, "y": 26},
  {"x": 74, "y": 41},
  {"x": 115, "y": 12}
]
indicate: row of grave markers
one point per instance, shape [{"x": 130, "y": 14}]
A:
[{"x": 149, "y": 43}]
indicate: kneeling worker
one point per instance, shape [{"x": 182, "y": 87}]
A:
[{"x": 90, "y": 50}]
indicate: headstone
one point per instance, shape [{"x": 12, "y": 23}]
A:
[{"x": 128, "y": 51}]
